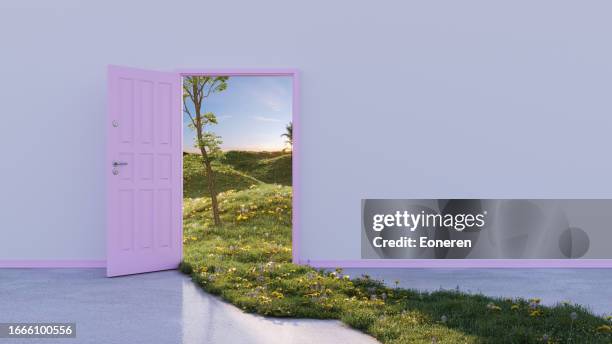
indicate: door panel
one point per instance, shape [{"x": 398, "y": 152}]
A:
[{"x": 144, "y": 187}]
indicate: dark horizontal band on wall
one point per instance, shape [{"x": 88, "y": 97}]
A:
[{"x": 52, "y": 263}]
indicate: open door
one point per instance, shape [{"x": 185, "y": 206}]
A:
[{"x": 144, "y": 171}]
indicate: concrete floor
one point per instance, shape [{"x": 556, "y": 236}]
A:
[
  {"x": 166, "y": 307},
  {"x": 588, "y": 287},
  {"x": 163, "y": 307}
]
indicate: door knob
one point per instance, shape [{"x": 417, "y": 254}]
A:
[{"x": 119, "y": 163}]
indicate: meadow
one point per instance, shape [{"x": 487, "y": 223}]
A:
[{"x": 247, "y": 262}]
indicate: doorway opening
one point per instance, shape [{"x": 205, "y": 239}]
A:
[{"x": 239, "y": 170}]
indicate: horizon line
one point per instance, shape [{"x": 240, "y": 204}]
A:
[{"x": 246, "y": 149}]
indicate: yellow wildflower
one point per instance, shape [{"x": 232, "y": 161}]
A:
[
  {"x": 535, "y": 300},
  {"x": 277, "y": 295},
  {"x": 535, "y": 313}
]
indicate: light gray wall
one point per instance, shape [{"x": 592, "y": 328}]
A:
[{"x": 399, "y": 100}]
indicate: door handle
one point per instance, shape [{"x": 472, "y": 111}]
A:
[{"x": 119, "y": 163}]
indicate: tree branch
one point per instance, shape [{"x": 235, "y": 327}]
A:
[
  {"x": 212, "y": 87},
  {"x": 201, "y": 88},
  {"x": 186, "y": 109},
  {"x": 186, "y": 89}
]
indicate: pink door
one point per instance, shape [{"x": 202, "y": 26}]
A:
[{"x": 144, "y": 171}]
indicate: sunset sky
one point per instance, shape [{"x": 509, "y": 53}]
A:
[{"x": 252, "y": 113}]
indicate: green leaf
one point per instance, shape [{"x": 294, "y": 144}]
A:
[{"x": 210, "y": 117}]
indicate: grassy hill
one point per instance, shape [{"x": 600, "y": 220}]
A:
[
  {"x": 237, "y": 171},
  {"x": 269, "y": 167},
  {"x": 247, "y": 262},
  {"x": 226, "y": 178}
]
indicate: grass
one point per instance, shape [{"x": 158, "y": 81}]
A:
[
  {"x": 269, "y": 167},
  {"x": 247, "y": 262},
  {"x": 226, "y": 177}
]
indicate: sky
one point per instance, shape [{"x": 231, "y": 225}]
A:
[{"x": 252, "y": 113}]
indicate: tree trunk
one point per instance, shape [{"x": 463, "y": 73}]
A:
[
  {"x": 197, "y": 101},
  {"x": 211, "y": 185}
]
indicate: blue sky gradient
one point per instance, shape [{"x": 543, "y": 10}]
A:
[{"x": 252, "y": 113}]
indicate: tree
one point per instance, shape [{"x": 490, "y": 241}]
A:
[
  {"x": 289, "y": 133},
  {"x": 197, "y": 89}
]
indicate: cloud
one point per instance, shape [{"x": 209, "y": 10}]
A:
[
  {"x": 266, "y": 119},
  {"x": 273, "y": 104},
  {"x": 270, "y": 93}
]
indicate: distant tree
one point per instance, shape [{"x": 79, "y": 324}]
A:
[
  {"x": 197, "y": 89},
  {"x": 289, "y": 133}
]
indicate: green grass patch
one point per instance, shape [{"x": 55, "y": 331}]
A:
[
  {"x": 248, "y": 263},
  {"x": 226, "y": 178},
  {"x": 269, "y": 167}
]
